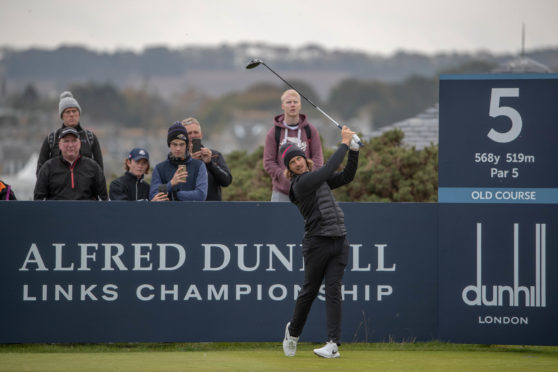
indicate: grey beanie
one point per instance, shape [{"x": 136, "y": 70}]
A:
[{"x": 67, "y": 100}]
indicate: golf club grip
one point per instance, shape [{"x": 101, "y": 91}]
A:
[{"x": 357, "y": 140}]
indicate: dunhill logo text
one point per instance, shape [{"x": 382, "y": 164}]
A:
[{"x": 511, "y": 295}]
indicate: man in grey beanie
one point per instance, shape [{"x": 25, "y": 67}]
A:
[{"x": 69, "y": 111}]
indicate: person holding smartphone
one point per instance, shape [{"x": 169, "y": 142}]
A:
[
  {"x": 218, "y": 173},
  {"x": 180, "y": 176}
]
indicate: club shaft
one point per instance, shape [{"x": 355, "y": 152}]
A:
[
  {"x": 355, "y": 137},
  {"x": 286, "y": 82}
]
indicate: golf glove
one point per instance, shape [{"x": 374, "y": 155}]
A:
[{"x": 354, "y": 145}]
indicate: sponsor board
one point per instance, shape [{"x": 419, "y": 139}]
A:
[
  {"x": 497, "y": 283},
  {"x": 109, "y": 272}
]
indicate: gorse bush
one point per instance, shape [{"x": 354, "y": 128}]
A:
[{"x": 388, "y": 171}]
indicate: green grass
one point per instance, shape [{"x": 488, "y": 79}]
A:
[{"x": 430, "y": 356}]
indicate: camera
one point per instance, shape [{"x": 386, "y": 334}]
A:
[{"x": 196, "y": 145}]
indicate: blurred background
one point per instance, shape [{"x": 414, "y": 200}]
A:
[{"x": 136, "y": 67}]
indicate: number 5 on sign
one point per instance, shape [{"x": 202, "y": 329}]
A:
[{"x": 497, "y": 110}]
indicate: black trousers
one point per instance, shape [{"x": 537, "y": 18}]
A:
[{"x": 324, "y": 258}]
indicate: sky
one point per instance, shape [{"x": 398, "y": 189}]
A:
[{"x": 372, "y": 26}]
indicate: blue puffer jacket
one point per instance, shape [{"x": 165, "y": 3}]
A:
[{"x": 195, "y": 187}]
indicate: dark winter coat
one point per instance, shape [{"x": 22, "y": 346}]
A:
[
  {"x": 311, "y": 193},
  {"x": 218, "y": 175},
  {"x": 129, "y": 187},
  {"x": 60, "y": 180},
  {"x": 89, "y": 146}
]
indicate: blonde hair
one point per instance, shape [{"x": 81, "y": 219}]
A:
[
  {"x": 191, "y": 120},
  {"x": 289, "y": 173},
  {"x": 289, "y": 92}
]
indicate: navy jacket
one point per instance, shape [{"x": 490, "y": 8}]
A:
[{"x": 195, "y": 187}]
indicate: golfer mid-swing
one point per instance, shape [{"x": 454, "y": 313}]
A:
[{"x": 324, "y": 246}]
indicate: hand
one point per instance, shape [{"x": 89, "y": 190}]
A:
[
  {"x": 196, "y": 155},
  {"x": 346, "y": 135},
  {"x": 161, "y": 196},
  {"x": 206, "y": 154},
  {"x": 179, "y": 176}
]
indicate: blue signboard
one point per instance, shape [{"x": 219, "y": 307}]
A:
[
  {"x": 231, "y": 271},
  {"x": 497, "y": 282},
  {"x": 202, "y": 272},
  {"x": 498, "y": 138}
]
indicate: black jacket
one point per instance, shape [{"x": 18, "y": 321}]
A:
[
  {"x": 89, "y": 146},
  {"x": 218, "y": 175},
  {"x": 129, "y": 187},
  {"x": 60, "y": 180},
  {"x": 311, "y": 193}
]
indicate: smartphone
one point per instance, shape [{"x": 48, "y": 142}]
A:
[
  {"x": 162, "y": 188},
  {"x": 196, "y": 145},
  {"x": 182, "y": 167}
]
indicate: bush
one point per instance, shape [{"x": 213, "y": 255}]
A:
[{"x": 388, "y": 171}]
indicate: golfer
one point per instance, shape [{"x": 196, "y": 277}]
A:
[{"x": 324, "y": 246}]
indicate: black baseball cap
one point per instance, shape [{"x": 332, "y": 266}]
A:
[{"x": 68, "y": 130}]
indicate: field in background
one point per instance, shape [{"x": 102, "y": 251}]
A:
[{"x": 430, "y": 356}]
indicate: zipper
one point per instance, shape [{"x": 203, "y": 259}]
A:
[{"x": 72, "y": 172}]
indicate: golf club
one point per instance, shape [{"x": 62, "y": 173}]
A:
[{"x": 256, "y": 62}]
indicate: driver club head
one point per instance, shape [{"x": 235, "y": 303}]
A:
[{"x": 254, "y": 63}]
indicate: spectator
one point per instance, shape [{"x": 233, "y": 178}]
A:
[
  {"x": 324, "y": 247},
  {"x": 6, "y": 192},
  {"x": 70, "y": 112},
  {"x": 289, "y": 127},
  {"x": 183, "y": 177},
  {"x": 131, "y": 185},
  {"x": 70, "y": 176},
  {"x": 218, "y": 173}
]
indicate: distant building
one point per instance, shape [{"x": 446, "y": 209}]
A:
[
  {"x": 521, "y": 65},
  {"x": 420, "y": 131}
]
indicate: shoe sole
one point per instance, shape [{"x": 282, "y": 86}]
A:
[{"x": 336, "y": 355}]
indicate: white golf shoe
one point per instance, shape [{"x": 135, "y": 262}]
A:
[
  {"x": 328, "y": 351},
  {"x": 289, "y": 343}
]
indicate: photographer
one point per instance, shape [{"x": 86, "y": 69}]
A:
[
  {"x": 180, "y": 176},
  {"x": 218, "y": 173}
]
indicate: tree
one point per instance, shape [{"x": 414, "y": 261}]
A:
[
  {"x": 391, "y": 172},
  {"x": 388, "y": 172},
  {"x": 250, "y": 181}
]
